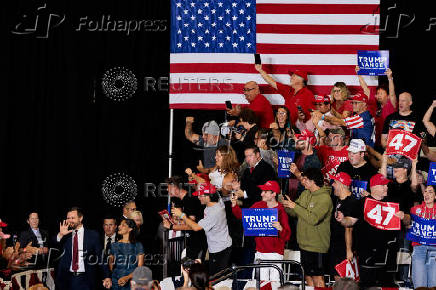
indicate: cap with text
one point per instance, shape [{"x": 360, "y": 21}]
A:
[
  {"x": 142, "y": 276},
  {"x": 343, "y": 178},
  {"x": 378, "y": 179},
  {"x": 356, "y": 145},
  {"x": 300, "y": 73},
  {"x": 270, "y": 185},
  {"x": 204, "y": 189}
]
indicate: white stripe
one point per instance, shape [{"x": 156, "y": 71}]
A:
[
  {"x": 274, "y": 99},
  {"x": 321, "y": 19},
  {"x": 291, "y": 59},
  {"x": 348, "y": 39},
  {"x": 318, "y": 1},
  {"x": 242, "y": 78}
]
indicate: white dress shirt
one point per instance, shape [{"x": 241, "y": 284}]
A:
[
  {"x": 112, "y": 240},
  {"x": 80, "y": 234},
  {"x": 37, "y": 233}
]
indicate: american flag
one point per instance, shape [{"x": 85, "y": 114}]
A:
[{"x": 213, "y": 42}]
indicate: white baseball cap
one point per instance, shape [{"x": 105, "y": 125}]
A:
[{"x": 356, "y": 145}]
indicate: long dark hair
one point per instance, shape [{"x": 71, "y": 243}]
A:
[
  {"x": 199, "y": 277},
  {"x": 132, "y": 234}
]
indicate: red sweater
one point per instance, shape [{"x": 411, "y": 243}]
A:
[
  {"x": 270, "y": 244},
  {"x": 423, "y": 211}
]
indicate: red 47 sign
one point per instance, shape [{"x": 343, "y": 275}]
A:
[
  {"x": 403, "y": 143},
  {"x": 347, "y": 269},
  {"x": 382, "y": 214}
]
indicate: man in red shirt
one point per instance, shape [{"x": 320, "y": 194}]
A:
[
  {"x": 296, "y": 94},
  {"x": 333, "y": 153},
  {"x": 258, "y": 103},
  {"x": 269, "y": 248}
]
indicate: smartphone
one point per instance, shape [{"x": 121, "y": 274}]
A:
[
  {"x": 257, "y": 59},
  {"x": 228, "y": 104}
]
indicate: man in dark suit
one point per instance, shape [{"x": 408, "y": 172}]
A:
[
  {"x": 37, "y": 239},
  {"x": 257, "y": 173},
  {"x": 82, "y": 255}
]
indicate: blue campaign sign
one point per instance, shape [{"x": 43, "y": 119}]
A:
[
  {"x": 257, "y": 222},
  {"x": 372, "y": 62},
  {"x": 431, "y": 178},
  {"x": 285, "y": 158},
  {"x": 422, "y": 231},
  {"x": 357, "y": 186}
]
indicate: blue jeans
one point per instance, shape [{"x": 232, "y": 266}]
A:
[{"x": 424, "y": 266}]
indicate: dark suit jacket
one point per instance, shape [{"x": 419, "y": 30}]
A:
[
  {"x": 93, "y": 252},
  {"x": 28, "y": 236},
  {"x": 249, "y": 181}
]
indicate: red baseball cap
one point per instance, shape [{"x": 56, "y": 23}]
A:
[
  {"x": 378, "y": 179},
  {"x": 204, "y": 188},
  {"x": 300, "y": 73},
  {"x": 322, "y": 99},
  {"x": 2, "y": 224},
  {"x": 306, "y": 135},
  {"x": 270, "y": 185},
  {"x": 342, "y": 177},
  {"x": 360, "y": 97}
]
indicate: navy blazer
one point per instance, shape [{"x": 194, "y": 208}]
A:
[
  {"x": 92, "y": 258},
  {"x": 29, "y": 236}
]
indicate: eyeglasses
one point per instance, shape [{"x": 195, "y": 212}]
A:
[
  {"x": 337, "y": 91},
  {"x": 247, "y": 89}
]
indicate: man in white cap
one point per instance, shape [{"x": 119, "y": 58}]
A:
[
  {"x": 356, "y": 166},
  {"x": 142, "y": 279},
  {"x": 209, "y": 141}
]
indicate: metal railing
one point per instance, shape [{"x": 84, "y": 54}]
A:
[
  {"x": 284, "y": 262},
  {"x": 233, "y": 271}
]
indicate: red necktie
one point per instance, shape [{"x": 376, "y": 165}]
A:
[
  {"x": 251, "y": 169},
  {"x": 75, "y": 265}
]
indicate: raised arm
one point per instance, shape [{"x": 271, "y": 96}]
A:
[
  {"x": 266, "y": 76},
  {"x": 188, "y": 131},
  {"x": 362, "y": 82},
  {"x": 413, "y": 176},
  {"x": 392, "y": 96},
  {"x": 426, "y": 119},
  {"x": 335, "y": 121}
]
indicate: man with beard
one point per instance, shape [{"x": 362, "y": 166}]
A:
[{"x": 82, "y": 253}]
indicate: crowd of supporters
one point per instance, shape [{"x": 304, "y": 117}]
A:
[{"x": 339, "y": 164}]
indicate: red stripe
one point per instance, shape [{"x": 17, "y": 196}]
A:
[
  {"x": 269, "y": 68},
  {"x": 265, "y": 48},
  {"x": 317, "y": 9},
  {"x": 236, "y": 88},
  {"x": 198, "y": 106},
  {"x": 316, "y": 29}
]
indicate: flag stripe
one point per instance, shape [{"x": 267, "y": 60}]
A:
[
  {"x": 325, "y": 39},
  {"x": 291, "y": 59},
  {"x": 317, "y": 29},
  {"x": 324, "y": 80},
  {"x": 376, "y": 2},
  {"x": 232, "y": 88},
  {"x": 311, "y": 48},
  {"x": 317, "y": 9},
  {"x": 271, "y": 69},
  {"x": 320, "y": 19}
]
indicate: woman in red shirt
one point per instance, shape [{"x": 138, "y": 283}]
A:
[
  {"x": 341, "y": 106},
  {"x": 423, "y": 257}
]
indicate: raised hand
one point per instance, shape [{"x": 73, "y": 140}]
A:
[
  {"x": 287, "y": 202},
  {"x": 63, "y": 229},
  {"x": 258, "y": 67},
  {"x": 388, "y": 73},
  {"x": 189, "y": 119},
  {"x": 278, "y": 226},
  {"x": 357, "y": 69}
]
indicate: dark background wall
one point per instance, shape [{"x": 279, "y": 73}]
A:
[{"x": 60, "y": 136}]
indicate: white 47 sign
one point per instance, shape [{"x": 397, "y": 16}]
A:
[
  {"x": 347, "y": 269},
  {"x": 382, "y": 214},
  {"x": 404, "y": 143}
]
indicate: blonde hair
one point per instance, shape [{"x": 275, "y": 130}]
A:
[
  {"x": 134, "y": 214},
  {"x": 344, "y": 90}
]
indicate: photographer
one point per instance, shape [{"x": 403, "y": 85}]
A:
[
  {"x": 246, "y": 138},
  {"x": 214, "y": 225}
]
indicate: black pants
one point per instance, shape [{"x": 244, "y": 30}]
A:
[{"x": 219, "y": 261}]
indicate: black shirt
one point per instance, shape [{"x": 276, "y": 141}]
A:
[
  {"x": 363, "y": 173},
  {"x": 402, "y": 193},
  {"x": 337, "y": 236},
  {"x": 370, "y": 241},
  {"x": 410, "y": 123}
]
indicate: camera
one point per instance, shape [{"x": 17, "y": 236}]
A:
[{"x": 187, "y": 263}]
